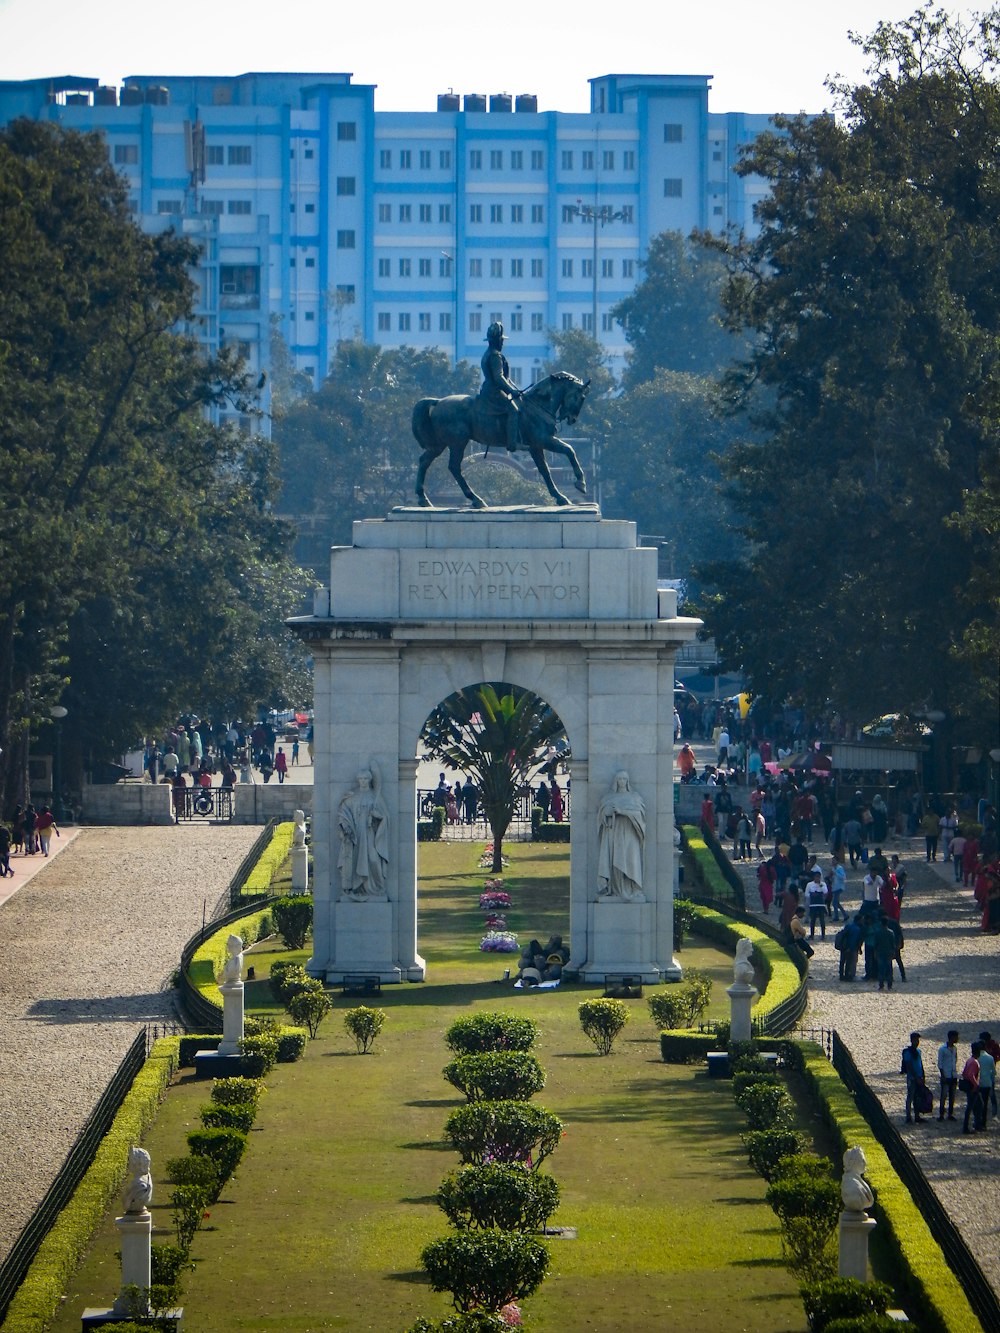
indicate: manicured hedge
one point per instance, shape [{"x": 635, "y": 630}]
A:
[
  {"x": 271, "y": 858},
  {"x": 40, "y": 1293},
  {"x": 777, "y": 969},
  {"x": 708, "y": 871},
  {"x": 291, "y": 1044},
  {"x": 920, "y": 1269},
  {"x": 206, "y": 965},
  {"x": 550, "y": 832}
]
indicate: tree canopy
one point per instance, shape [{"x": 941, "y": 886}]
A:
[{"x": 139, "y": 561}]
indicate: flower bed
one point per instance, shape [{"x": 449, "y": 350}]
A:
[
  {"x": 493, "y": 901},
  {"x": 499, "y": 941}
]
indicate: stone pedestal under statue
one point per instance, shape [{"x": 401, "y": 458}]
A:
[{"x": 742, "y": 993}]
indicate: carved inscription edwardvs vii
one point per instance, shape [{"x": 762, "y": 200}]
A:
[{"x": 514, "y": 584}]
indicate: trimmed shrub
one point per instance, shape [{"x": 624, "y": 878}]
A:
[
  {"x": 364, "y": 1024},
  {"x": 766, "y": 1107},
  {"x": 291, "y": 1040},
  {"x": 221, "y": 1116},
  {"x": 190, "y": 1046},
  {"x": 509, "y": 1133},
  {"x": 427, "y": 832},
  {"x": 668, "y": 1009},
  {"x": 508, "y": 1197},
  {"x": 258, "y": 1056},
  {"x": 493, "y": 1076},
  {"x": 475, "y": 1321},
  {"x": 438, "y": 817},
  {"x": 188, "y": 1204},
  {"x": 685, "y": 916},
  {"x": 309, "y": 1008},
  {"x": 491, "y": 1032},
  {"x": 293, "y": 917},
  {"x": 290, "y": 979},
  {"x": 808, "y": 1164},
  {"x": 808, "y": 1208},
  {"x": 752, "y": 1078},
  {"x": 238, "y": 1091},
  {"x": 602, "y": 1021},
  {"x": 549, "y": 832},
  {"x": 167, "y": 1263},
  {"x": 681, "y": 1006},
  {"x": 686, "y": 1048},
  {"x": 224, "y": 1147},
  {"x": 199, "y": 1171},
  {"x": 766, "y": 1148},
  {"x": 866, "y": 1323},
  {"x": 842, "y": 1297},
  {"x": 486, "y": 1270}
]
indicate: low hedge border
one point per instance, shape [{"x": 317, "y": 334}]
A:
[
  {"x": 679, "y": 1047},
  {"x": 920, "y": 1268},
  {"x": 776, "y": 967},
  {"x": 291, "y": 1044},
  {"x": 724, "y": 886},
  {"x": 39, "y": 1295},
  {"x": 273, "y": 856},
  {"x": 206, "y": 965}
]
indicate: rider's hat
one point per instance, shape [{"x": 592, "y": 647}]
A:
[{"x": 494, "y": 331}]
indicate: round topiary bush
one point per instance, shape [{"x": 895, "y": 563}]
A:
[
  {"x": 766, "y": 1106},
  {"x": 602, "y": 1021},
  {"x": 766, "y": 1148},
  {"x": 508, "y": 1197},
  {"x": 486, "y": 1270},
  {"x": 491, "y": 1076},
  {"x": 843, "y": 1298},
  {"x": 509, "y": 1133},
  {"x": 474, "y": 1033}
]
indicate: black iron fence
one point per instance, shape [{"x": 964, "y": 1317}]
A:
[
  {"x": 234, "y": 895},
  {"x": 78, "y": 1160},
  {"x": 428, "y": 799},
  {"x": 203, "y": 803},
  {"x": 962, "y": 1262}
]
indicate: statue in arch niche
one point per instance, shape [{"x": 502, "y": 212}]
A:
[
  {"x": 621, "y": 820},
  {"x": 363, "y": 825}
]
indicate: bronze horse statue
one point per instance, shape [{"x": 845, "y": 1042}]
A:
[{"x": 450, "y": 423}]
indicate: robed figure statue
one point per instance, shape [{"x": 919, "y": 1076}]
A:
[
  {"x": 621, "y": 819},
  {"x": 363, "y": 823}
]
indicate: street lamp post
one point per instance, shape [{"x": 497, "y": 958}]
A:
[
  {"x": 596, "y": 215},
  {"x": 57, "y": 712}
]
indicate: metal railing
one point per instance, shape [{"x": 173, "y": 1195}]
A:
[
  {"x": 234, "y": 894},
  {"x": 203, "y": 803},
  {"x": 962, "y": 1262},
  {"x": 78, "y": 1160},
  {"x": 427, "y": 799}
]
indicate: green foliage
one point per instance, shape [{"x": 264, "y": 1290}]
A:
[
  {"x": 803, "y": 1164},
  {"x": 496, "y": 1076},
  {"x": 238, "y": 1091},
  {"x": 685, "y": 916},
  {"x": 287, "y": 979},
  {"x": 438, "y": 816},
  {"x": 681, "y": 1006},
  {"x": 364, "y": 1024},
  {"x": 750, "y": 1078},
  {"x": 550, "y": 831},
  {"x": 602, "y": 1021},
  {"x": 475, "y": 1321},
  {"x": 309, "y": 1008},
  {"x": 428, "y": 831},
  {"x": 187, "y": 1208},
  {"x": 486, "y": 1269},
  {"x": 224, "y": 1147},
  {"x": 189, "y": 1047},
  {"x": 765, "y": 1106},
  {"x": 491, "y": 1195},
  {"x": 842, "y": 1297},
  {"x": 199, "y": 1171},
  {"x": 766, "y": 1148},
  {"x": 293, "y": 919},
  {"x": 258, "y": 1056},
  {"x": 508, "y": 1133},
  {"x": 491, "y": 1031},
  {"x": 291, "y": 1041},
  {"x": 220, "y": 1116},
  {"x": 808, "y": 1207},
  {"x": 865, "y": 1323}
]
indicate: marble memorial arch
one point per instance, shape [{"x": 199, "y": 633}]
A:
[{"x": 559, "y": 601}]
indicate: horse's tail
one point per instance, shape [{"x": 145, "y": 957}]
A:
[{"x": 421, "y": 422}]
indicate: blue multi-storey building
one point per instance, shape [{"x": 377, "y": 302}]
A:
[{"x": 323, "y": 218}]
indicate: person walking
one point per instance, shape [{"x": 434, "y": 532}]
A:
[
  {"x": 470, "y": 800},
  {"x": 993, "y": 1048},
  {"x": 5, "y": 869},
  {"x": 969, "y": 1084},
  {"x": 281, "y": 764},
  {"x": 987, "y": 1084},
  {"x": 912, "y": 1065},
  {"x": 848, "y": 943},
  {"x": 556, "y": 805},
  {"x": 45, "y": 826},
  {"x": 816, "y": 902},
  {"x": 765, "y": 884},
  {"x": 931, "y": 828},
  {"x": 884, "y": 947},
  {"x": 839, "y": 885},
  {"x": 958, "y": 854},
  {"x": 947, "y": 1062}
]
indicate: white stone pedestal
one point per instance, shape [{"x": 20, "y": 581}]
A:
[
  {"x": 232, "y": 1018},
  {"x": 300, "y": 869},
  {"x": 136, "y": 1231},
  {"x": 364, "y": 936},
  {"x": 741, "y": 997},
  {"x": 621, "y": 941},
  {"x": 855, "y": 1230}
]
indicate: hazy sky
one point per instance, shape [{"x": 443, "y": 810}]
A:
[{"x": 771, "y": 56}]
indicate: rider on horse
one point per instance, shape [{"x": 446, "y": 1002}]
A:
[{"x": 499, "y": 393}]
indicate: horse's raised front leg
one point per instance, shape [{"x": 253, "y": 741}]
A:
[
  {"x": 426, "y": 459},
  {"x": 538, "y": 458},
  {"x": 557, "y": 446},
  {"x": 456, "y": 453}
]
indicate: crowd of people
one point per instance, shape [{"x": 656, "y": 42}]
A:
[
  {"x": 28, "y": 834},
  {"x": 195, "y": 750},
  {"x": 977, "y": 1079}
]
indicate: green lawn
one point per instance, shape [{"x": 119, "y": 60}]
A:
[{"x": 323, "y": 1225}]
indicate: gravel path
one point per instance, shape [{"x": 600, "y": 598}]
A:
[
  {"x": 86, "y": 951},
  {"x": 951, "y": 982}
]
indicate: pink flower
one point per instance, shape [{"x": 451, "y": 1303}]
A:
[{"x": 511, "y": 1315}]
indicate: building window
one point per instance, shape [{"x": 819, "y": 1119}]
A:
[
  {"x": 496, "y": 316},
  {"x": 168, "y": 206},
  {"x": 424, "y": 268},
  {"x": 310, "y": 316},
  {"x": 346, "y": 185},
  {"x": 537, "y": 160},
  {"x": 292, "y": 262},
  {"x": 444, "y": 159},
  {"x": 567, "y": 159},
  {"x": 310, "y": 208},
  {"x": 628, "y": 213},
  {"x": 475, "y": 268},
  {"x": 425, "y": 212},
  {"x": 609, "y": 159},
  {"x": 516, "y": 322},
  {"x": 569, "y": 212},
  {"x": 211, "y": 208},
  {"x": 383, "y": 268},
  {"x": 538, "y": 212},
  {"x": 444, "y": 322},
  {"x": 424, "y": 321},
  {"x": 444, "y": 212},
  {"x": 515, "y": 372},
  {"x": 240, "y": 284},
  {"x": 587, "y": 321},
  {"x": 444, "y": 266},
  {"x": 403, "y": 323},
  {"x": 241, "y": 206},
  {"x": 717, "y": 155},
  {"x": 717, "y": 211},
  {"x": 310, "y": 262},
  {"x": 214, "y": 155},
  {"x": 126, "y": 154},
  {"x": 496, "y": 212},
  {"x": 475, "y": 322},
  {"x": 607, "y": 268},
  {"x": 588, "y": 160},
  {"x": 496, "y": 268},
  {"x": 517, "y": 268},
  {"x": 586, "y": 268},
  {"x": 385, "y": 212},
  {"x": 628, "y": 268},
  {"x": 347, "y": 130},
  {"x": 516, "y": 160},
  {"x": 672, "y": 187},
  {"x": 673, "y": 133},
  {"x": 308, "y": 154},
  {"x": 384, "y": 321},
  {"x": 538, "y": 268},
  {"x": 567, "y": 268},
  {"x": 405, "y": 268},
  {"x": 405, "y": 159},
  {"x": 345, "y": 240},
  {"x": 405, "y": 213},
  {"x": 628, "y": 160},
  {"x": 567, "y": 321},
  {"x": 238, "y": 155},
  {"x": 475, "y": 212},
  {"x": 607, "y": 322},
  {"x": 475, "y": 159},
  {"x": 537, "y": 322},
  {"x": 425, "y": 159},
  {"x": 496, "y": 159},
  {"x": 291, "y": 208},
  {"x": 385, "y": 159}
]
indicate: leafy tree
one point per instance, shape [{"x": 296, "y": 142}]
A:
[
  {"x": 498, "y": 738},
  {"x": 872, "y": 295}
]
